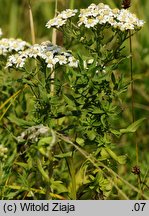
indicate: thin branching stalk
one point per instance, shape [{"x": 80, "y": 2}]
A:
[
  {"x": 131, "y": 74},
  {"x": 35, "y": 190},
  {"x": 132, "y": 105},
  {"x": 132, "y": 93},
  {"x": 13, "y": 97},
  {"x": 53, "y": 42},
  {"x": 5, "y": 111},
  {"x": 133, "y": 115}
]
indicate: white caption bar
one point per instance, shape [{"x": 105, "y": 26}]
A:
[{"x": 77, "y": 208}]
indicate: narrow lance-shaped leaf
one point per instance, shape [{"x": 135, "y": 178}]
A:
[{"x": 133, "y": 127}]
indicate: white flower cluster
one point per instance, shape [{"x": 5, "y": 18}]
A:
[
  {"x": 61, "y": 19},
  {"x": 33, "y": 133},
  {"x": 102, "y": 14},
  {"x": 3, "y": 152},
  {"x": 50, "y": 53},
  {"x": 11, "y": 45},
  {"x": 1, "y": 33}
]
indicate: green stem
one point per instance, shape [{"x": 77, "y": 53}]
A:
[
  {"x": 71, "y": 4},
  {"x": 70, "y": 165},
  {"x": 73, "y": 180},
  {"x": 131, "y": 74},
  {"x": 46, "y": 178},
  {"x": 13, "y": 19},
  {"x": 132, "y": 95},
  {"x": 54, "y": 34},
  {"x": 41, "y": 170},
  {"x": 31, "y": 23}
]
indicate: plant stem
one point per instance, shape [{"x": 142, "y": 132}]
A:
[
  {"x": 70, "y": 165},
  {"x": 46, "y": 178},
  {"x": 13, "y": 19},
  {"x": 31, "y": 23},
  {"x": 73, "y": 180},
  {"x": 131, "y": 74},
  {"x": 133, "y": 114},
  {"x": 132, "y": 94},
  {"x": 71, "y": 4},
  {"x": 53, "y": 42}
]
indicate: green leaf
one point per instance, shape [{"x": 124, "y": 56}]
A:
[
  {"x": 97, "y": 111},
  {"x": 115, "y": 132},
  {"x": 69, "y": 100},
  {"x": 64, "y": 155},
  {"x": 44, "y": 141},
  {"x": 113, "y": 78},
  {"x": 91, "y": 135},
  {"x": 29, "y": 82},
  {"x": 104, "y": 154},
  {"x": 24, "y": 165},
  {"x": 58, "y": 186},
  {"x": 20, "y": 122},
  {"x": 133, "y": 127},
  {"x": 120, "y": 159},
  {"x": 80, "y": 141}
]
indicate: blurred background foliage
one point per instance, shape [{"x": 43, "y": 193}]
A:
[{"x": 14, "y": 21}]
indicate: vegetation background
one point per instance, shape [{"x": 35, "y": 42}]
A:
[{"x": 14, "y": 21}]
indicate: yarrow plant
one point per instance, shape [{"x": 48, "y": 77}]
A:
[{"x": 73, "y": 120}]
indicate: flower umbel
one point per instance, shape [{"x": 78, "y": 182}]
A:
[
  {"x": 61, "y": 19},
  {"x": 8, "y": 46},
  {"x": 46, "y": 51},
  {"x": 103, "y": 14}
]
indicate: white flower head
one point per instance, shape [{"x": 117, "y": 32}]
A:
[
  {"x": 51, "y": 62},
  {"x": 34, "y": 51},
  {"x": 61, "y": 19},
  {"x": 56, "y": 22},
  {"x": 61, "y": 59},
  {"x": 127, "y": 20},
  {"x": 91, "y": 22},
  {"x": 51, "y": 54},
  {"x": 67, "y": 13},
  {"x": 16, "y": 60},
  {"x": 12, "y": 45},
  {"x": 103, "y": 14}
]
